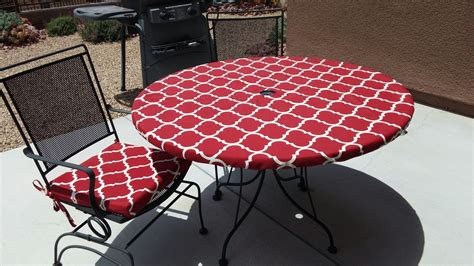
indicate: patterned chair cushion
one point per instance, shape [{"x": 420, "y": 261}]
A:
[{"x": 128, "y": 178}]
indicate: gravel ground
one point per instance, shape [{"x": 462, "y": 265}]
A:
[{"x": 106, "y": 59}]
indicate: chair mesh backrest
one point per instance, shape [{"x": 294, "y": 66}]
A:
[
  {"x": 236, "y": 38},
  {"x": 59, "y": 107}
]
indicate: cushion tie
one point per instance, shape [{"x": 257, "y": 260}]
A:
[{"x": 57, "y": 205}]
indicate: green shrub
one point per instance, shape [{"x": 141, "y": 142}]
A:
[
  {"x": 8, "y": 20},
  {"x": 101, "y": 31},
  {"x": 61, "y": 26}
]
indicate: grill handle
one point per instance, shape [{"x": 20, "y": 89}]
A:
[{"x": 176, "y": 46}]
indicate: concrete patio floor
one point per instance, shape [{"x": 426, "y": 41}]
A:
[{"x": 408, "y": 203}]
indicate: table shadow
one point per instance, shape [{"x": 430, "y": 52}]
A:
[{"x": 372, "y": 224}]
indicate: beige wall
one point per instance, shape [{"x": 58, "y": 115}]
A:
[{"x": 426, "y": 45}]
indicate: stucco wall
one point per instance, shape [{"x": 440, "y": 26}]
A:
[{"x": 422, "y": 44}]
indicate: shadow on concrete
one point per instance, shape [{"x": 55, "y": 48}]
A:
[{"x": 372, "y": 225}]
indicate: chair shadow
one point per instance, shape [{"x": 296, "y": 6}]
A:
[{"x": 371, "y": 223}]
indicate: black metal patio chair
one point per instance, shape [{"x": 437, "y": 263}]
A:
[
  {"x": 60, "y": 110},
  {"x": 236, "y": 34}
]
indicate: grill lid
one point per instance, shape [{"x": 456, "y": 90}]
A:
[{"x": 105, "y": 12}]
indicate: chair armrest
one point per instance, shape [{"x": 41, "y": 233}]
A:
[
  {"x": 30, "y": 154},
  {"x": 123, "y": 111},
  {"x": 98, "y": 211}
]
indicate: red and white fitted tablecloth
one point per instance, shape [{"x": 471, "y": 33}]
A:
[{"x": 321, "y": 111}]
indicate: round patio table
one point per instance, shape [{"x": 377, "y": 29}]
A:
[{"x": 271, "y": 113}]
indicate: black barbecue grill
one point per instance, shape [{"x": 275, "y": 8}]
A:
[{"x": 173, "y": 33}]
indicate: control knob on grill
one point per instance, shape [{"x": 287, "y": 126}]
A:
[
  {"x": 192, "y": 11},
  {"x": 165, "y": 15}
]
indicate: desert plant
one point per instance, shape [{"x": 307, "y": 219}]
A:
[
  {"x": 101, "y": 31},
  {"x": 61, "y": 26},
  {"x": 263, "y": 2},
  {"x": 16, "y": 31},
  {"x": 8, "y": 20}
]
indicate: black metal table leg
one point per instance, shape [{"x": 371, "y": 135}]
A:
[
  {"x": 223, "y": 261},
  {"x": 217, "y": 193},
  {"x": 332, "y": 248},
  {"x": 301, "y": 183}
]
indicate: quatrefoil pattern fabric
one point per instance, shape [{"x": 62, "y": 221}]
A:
[
  {"x": 128, "y": 178},
  {"x": 272, "y": 112}
]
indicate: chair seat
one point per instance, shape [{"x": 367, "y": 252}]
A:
[{"x": 128, "y": 178}]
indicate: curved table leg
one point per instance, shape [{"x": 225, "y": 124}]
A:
[
  {"x": 332, "y": 248},
  {"x": 302, "y": 184},
  {"x": 218, "y": 193},
  {"x": 223, "y": 261}
]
